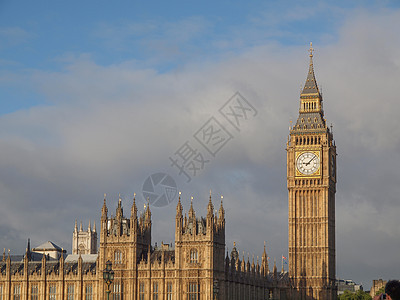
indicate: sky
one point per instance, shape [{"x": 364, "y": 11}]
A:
[{"x": 97, "y": 96}]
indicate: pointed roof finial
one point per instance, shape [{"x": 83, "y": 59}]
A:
[
  {"x": 210, "y": 207},
  {"x": 179, "y": 207},
  {"x": 311, "y": 50},
  {"x": 221, "y": 209},
  {"x": 104, "y": 209},
  {"x": 148, "y": 213},
  {"x": 191, "y": 210},
  {"x": 134, "y": 208},
  {"x": 80, "y": 226}
]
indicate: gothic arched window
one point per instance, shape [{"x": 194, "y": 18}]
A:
[
  {"x": 194, "y": 256},
  {"x": 117, "y": 257},
  {"x": 81, "y": 249}
]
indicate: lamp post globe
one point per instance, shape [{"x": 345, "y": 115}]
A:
[{"x": 108, "y": 277}]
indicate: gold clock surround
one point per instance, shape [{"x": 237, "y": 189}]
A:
[{"x": 317, "y": 173}]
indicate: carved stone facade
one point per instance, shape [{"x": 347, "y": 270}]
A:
[
  {"x": 84, "y": 241},
  {"x": 311, "y": 180},
  {"x": 194, "y": 268}
]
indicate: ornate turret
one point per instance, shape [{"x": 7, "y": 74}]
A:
[
  {"x": 119, "y": 211},
  {"x": 85, "y": 241},
  {"x": 210, "y": 217},
  {"x": 134, "y": 208},
  {"x": 134, "y": 219},
  {"x": 264, "y": 262},
  {"x": 234, "y": 252},
  {"x": 28, "y": 251},
  {"x": 179, "y": 219},
  {"x": 148, "y": 213},
  {"x": 253, "y": 265},
  {"x": 61, "y": 262},
  {"x": 221, "y": 211},
  {"x": 227, "y": 261},
  {"x": 248, "y": 263},
  {"x": 179, "y": 207},
  {"x": 210, "y": 208},
  {"x": 43, "y": 271},
  {"x": 243, "y": 263},
  {"x": 104, "y": 210},
  {"x": 192, "y": 214}
]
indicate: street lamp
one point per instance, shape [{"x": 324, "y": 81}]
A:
[
  {"x": 215, "y": 289},
  {"x": 108, "y": 276}
]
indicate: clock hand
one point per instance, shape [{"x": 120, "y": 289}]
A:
[{"x": 311, "y": 160}]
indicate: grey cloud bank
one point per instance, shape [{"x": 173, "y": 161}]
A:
[{"x": 107, "y": 128}]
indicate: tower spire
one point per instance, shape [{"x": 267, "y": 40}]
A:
[
  {"x": 311, "y": 113},
  {"x": 104, "y": 209},
  {"x": 191, "y": 210},
  {"x": 148, "y": 212},
  {"x": 134, "y": 207},
  {"x": 221, "y": 210},
  {"x": 179, "y": 207},
  {"x": 310, "y": 87},
  {"x": 119, "y": 211},
  {"x": 210, "y": 207}
]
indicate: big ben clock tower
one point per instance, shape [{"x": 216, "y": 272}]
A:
[{"x": 311, "y": 180}]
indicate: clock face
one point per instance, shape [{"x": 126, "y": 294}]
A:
[{"x": 307, "y": 163}]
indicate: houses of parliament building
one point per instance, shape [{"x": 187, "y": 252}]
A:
[{"x": 196, "y": 266}]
